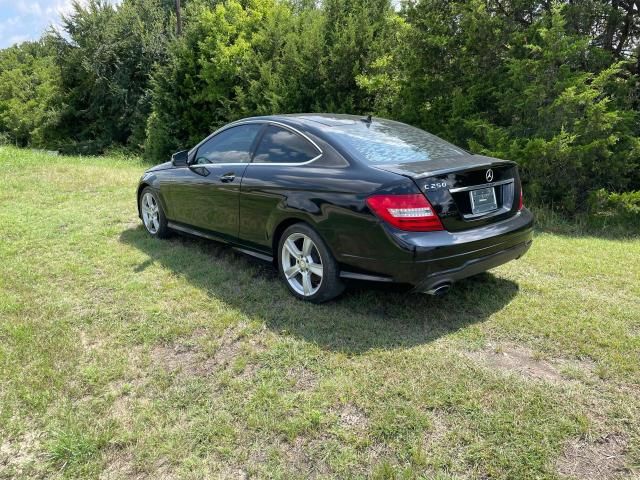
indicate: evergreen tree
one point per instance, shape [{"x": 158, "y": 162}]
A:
[{"x": 553, "y": 85}]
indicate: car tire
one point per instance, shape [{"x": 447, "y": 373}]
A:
[
  {"x": 307, "y": 266},
  {"x": 153, "y": 217}
]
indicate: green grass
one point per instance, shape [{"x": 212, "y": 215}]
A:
[{"x": 122, "y": 356}]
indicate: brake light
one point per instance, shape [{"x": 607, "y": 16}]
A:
[
  {"x": 520, "y": 202},
  {"x": 411, "y": 212}
]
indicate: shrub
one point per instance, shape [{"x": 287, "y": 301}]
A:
[{"x": 610, "y": 208}]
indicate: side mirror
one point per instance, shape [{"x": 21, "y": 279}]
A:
[{"x": 180, "y": 159}]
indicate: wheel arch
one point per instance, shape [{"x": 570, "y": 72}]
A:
[
  {"x": 141, "y": 187},
  {"x": 292, "y": 220},
  {"x": 279, "y": 230}
]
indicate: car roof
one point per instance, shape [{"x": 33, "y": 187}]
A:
[
  {"x": 329, "y": 126},
  {"x": 321, "y": 121},
  {"x": 322, "y": 125}
]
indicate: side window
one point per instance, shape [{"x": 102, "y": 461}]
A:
[
  {"x": 232, "y": 145},
  {"x": 279, "y": 145}
]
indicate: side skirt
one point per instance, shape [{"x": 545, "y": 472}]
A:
[
  {"x": 194, "y": 231},
  {"x": 265, "y": 257},
  {"x": 209, "y": 236},
  {"x": 363, "y": 276},
  {"x": 261, "y": 256}
]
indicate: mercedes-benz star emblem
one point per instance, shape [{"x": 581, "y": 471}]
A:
[{"x": 489, "y": 175}]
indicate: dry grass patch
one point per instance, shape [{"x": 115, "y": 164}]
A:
[
  {"x": 525, "y": 362},
  {"x": 190, "y": 359},
  {"x": 18, "y": 453},
  {"x": 601, "y": 459},
  {"x": 178, "y": 358},
  {"x": 302, "y": 378},
  {"x": 438, "y": 431},
  {"x": 121, "y": 465},
  {"x": 351, "y": 417}
]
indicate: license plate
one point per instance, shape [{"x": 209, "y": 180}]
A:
[{"x": 483, "y": 200}]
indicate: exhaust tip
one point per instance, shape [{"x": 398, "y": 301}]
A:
[{"x": 440, "y": 290}]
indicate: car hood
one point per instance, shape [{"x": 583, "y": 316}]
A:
[{"x": 162, "y": 166}]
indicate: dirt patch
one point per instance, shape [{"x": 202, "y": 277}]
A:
[
  {"x": 303, "y": 378},
  {"x": 123, "y": 409},
  {"x": 231, "y": 348},
  {"x": 226, "y": 353},
  {"x": 233, "y": 473},
  {"x": 302, "y": 457},
  {"x": 297, "y": 457},
  {"x": 187, "y": 359},
  {"x": 434, "y": 435},
  {"x": 177, "y": 359},
  {"x": 16, "y": 454},
  {"x": 89, "y": 343},
  {"x": 525, "y": 362},
  {"x": 121, "y": 465},
  {"x": 379, "y": 452},
  {"x": 351, "y": 417},
  {"x": 118, "y": 465},
  {"x": 602, "y": 459},
  {"x": 519, "y": 360}
]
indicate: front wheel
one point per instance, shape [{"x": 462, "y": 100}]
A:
[
  {"x": 152, "y": 214},
  {"x": 307, "y": 266}
]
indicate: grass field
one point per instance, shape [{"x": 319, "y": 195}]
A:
[{"x": 123, "y": 356}]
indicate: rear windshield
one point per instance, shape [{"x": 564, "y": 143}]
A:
[{"x": 393, "y": 142}]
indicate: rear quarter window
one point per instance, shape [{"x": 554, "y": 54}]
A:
[{"x": 280, "y": 145}]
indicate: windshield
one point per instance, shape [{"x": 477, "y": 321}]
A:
[{"x": 393, "y": 142}]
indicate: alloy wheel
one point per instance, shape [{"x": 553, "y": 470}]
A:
[
  {"x": 150, "y": 213},
  {"x": 302, "y": 264}
]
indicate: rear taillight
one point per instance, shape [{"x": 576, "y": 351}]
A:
[
  {"x": 411, "y": 212},
  {"x": 520, "y": 202}
]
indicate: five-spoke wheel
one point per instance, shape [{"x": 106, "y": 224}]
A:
[
  {"x": 307, "y": 265},
  {"x": 301, "y": 264},
  {"x": 152, "y": 214}
]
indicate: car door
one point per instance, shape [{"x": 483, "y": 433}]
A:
[
  {"x": 271, "y": 180},
  {"x": 205, "y": 194}
]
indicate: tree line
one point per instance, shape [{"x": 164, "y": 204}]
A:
[{"x": 554, "y": 85}]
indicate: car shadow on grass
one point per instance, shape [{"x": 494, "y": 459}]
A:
[{"x": 365, "y": 317}]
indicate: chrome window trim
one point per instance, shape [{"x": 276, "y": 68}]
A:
[
  {"x": 264, "y": 122},
  {"x": 482, "y": 185}
]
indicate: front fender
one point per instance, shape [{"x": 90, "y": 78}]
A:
[{"x": 149, "y": 179}]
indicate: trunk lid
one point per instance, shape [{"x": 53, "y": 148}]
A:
[{"x": 458, "y": 188}]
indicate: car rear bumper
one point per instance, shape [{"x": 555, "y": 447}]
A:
[
  {"x": 428, "y": 259},
  {"x": 470, "y": 267}
]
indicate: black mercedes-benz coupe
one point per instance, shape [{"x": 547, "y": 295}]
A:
[{"x": 332, "y": 197}]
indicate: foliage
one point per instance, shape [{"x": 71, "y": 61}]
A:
[
  {"x": 554, "y": 86},
  {"x": 522, "y": 85},
  {"x": 105, "y": 64},
  {"x": 30, "y": 94},
  {"x": 561, "y": 122},
  {"x": 260, "y": 57},
  {"x": 607, "y": 208}
]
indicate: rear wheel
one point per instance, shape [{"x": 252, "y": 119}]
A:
[
  {"x": 152, "y": 214},
  {"x": 307, "y": 266}
]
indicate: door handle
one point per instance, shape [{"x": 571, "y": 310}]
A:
[{"x": 227, "y": 177}]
